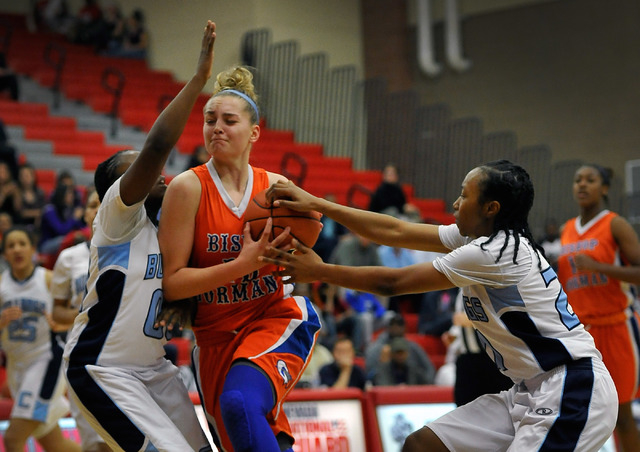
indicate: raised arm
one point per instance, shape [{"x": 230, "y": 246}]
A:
[
  {"x": 380, "y": 228},
  {"x": 139, "y": 179}
]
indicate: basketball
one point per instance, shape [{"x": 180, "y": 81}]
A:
[{"x": 305, "y": 226}]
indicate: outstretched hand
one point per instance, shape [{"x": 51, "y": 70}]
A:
[
  {"x": 205, "y": 62},
  {"x": 287, "y": 194},
  {"x": 302, "y": 265}
]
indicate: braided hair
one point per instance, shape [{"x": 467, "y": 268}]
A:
[{"x": 511, "y": 186}]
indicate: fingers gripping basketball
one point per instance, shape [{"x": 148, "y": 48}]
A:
[{"x": 305, "y": 226}]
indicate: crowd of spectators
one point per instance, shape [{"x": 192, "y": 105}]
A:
[
  {"x": 55, "y": 218},
  {"x": 366, "y": 334},
  {"x": 101, "y": 25}
]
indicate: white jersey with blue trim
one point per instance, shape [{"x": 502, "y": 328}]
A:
[
  {"x": 29, "y": 337},
  {"x": 520, "y": 311},
  {"x": 70, "y": 273},
  {"x": 124, "y": 290}
]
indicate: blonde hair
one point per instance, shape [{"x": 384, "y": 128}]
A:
[{"x": 238, "y": 81}]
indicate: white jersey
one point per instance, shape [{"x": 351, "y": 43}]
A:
[
  {"x": 70, "y": 274},
  {"x": 29, "y": 338},
  {"x": 115, "y": 326},
  {"x": 520, "y": 311}
]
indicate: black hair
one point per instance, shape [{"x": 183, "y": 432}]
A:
[
  {"x": 605, "y": 173},
  {"x": 58, "y": 199},
  {"x": 107, "y": 173},
  {"x": 64, "y": 174},
  {"x": 511, "y": 186},
  {"x": 138, "y": 15},
  {"x": 18, "y": 227}
]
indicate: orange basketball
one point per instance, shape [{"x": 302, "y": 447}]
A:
[{"x": 305, "y": 226}]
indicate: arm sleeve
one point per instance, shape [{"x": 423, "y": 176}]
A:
[
  {"x": 470, "y": 265},
  {"x": 119, "y": 222}
]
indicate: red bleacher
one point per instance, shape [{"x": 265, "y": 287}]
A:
[{"x": 144, "y": 92}]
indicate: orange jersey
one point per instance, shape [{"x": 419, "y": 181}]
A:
[
  {"x": 602, "y": 303},
  {"x": 587, "y": 291},
  {"x": 252, "y": 318},
  {"x": 217, "y": 239}
]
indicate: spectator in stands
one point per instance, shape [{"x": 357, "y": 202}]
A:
[
  {"x": 321, "y": 356},
  {"x": 474, "y": 372},
  {"x": 399, "y": 369},
  {"x": 8, "y": 78},
  {"x": 436, "y": 311},
  {"x": 59, "y": 217},
  {"x": 379, "y": 352},
  {"x": 6, "y": 223},
  {"x": 80, "y": 235},
  {"x": 32, "y": 198},
  {"x": 389, "y": 196},
  {"x": 130, "y": 39},
  {"x": 103, "y": 31},
  {"x": 8, "y": 153},
  {"x": 66, "y": 178},
  {"x": 198, "y": 157},
  {"x": 9, "y": 193},
  {"x": 435, "y": 308},
  {"x": 51, "y": 15},
  {"x": 343, "y": 372},
  {"x": 325, "y": 298},
  {"x": 86, "y": 23},
  {"x": 395, "y": 257},
  {"x": 551, "y": 242},
  {"x": 330, "y": 234},
  {"x": 361, "y": 310}
]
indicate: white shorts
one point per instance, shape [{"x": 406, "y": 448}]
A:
[
  {"x": 138, "y": 409},
  {"x": 38, "y": 389},
  {"x": 570, "y": 408}
]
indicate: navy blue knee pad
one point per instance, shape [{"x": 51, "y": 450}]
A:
[{"x": 246, "y": 399}]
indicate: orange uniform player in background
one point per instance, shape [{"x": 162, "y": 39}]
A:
[{"x": 599, "y": 261}]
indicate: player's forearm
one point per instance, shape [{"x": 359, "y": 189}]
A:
[
  {"x": 376, "y": 280},
  {"x": 384, "y": 229},
  {"x": 171, "y": 122},
  {"x": 380, "y": 228},
  {"x": 190, "y": 282},
  {"x": 630, "y": 274}
]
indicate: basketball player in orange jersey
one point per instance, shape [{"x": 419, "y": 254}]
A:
[
  {"x": 600, "y": 257},
  {"x": 254, "y": 338}
]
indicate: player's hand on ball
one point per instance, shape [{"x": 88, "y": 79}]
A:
[
  {"x": 301, "y": 265},
  {"x": 287, "y": 194},
  {"x": 252, "y": 249}
]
